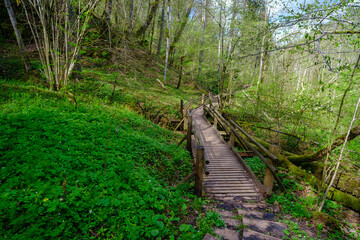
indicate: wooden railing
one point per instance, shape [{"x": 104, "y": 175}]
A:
[{"x": 232, "y": 129}]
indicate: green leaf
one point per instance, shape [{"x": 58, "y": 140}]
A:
[
  {"x": 286, "y": 232},
  {"x": 184, "y": 227},
  {"x": 183, "y": 207},
  {"x": 154, "y": 232}
]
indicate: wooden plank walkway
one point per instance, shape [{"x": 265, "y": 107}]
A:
[{"x": 228, "y": 180}]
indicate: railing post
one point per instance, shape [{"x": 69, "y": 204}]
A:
[
  {"x": 199, "y": 168},
  {"x": 269, "y": 177},
  {"x": 210, "y": 100},
  {"x": 185, "y": 119},
  {"x": 191, "y": 103},
  {"x": 203, "y": 99},
  {"x": 232, "y": 139},
  {"x": 189, "y": 131},
  {"x": 215, "y": 120},
  {"x": 181, "y": 109}
]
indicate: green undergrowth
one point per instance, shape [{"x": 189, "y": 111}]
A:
[
  {"x": 257, "y": 166},
  {"x": 300, "y": 201},
  {"x": 89, "y": 172},
  {"x": 140, "y": 91}
]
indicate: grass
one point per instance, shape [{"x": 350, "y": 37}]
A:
[{"x": 94, "y": 171}]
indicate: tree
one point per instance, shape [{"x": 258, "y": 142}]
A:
[
  {"x": 201, "y": 54},
  {"x": 18, "y": 35},
  {"x": 154, "y": 6},
  {"x": 108, "y": 18},
  {"x": 179, "y": 31},
  {"x": 161, "y": 28},
  {"x": 57, "y": 40},
  {"x": 168, "y": 20}
]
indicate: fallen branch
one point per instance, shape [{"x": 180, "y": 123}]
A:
[
  {"x": 191, "y": 175},
  {"x": 179, "y": 124},
  {"x": 162, "y": 85}
]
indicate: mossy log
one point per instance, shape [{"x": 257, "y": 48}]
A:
[
  {"x": 334, "y": 194},
  {"x": 267, "y": 145},
  {"x": 285, "y": 160},
  {"x": 354, "y": 132}
]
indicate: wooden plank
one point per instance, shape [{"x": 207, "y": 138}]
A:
[
  {"x": 228, "y": 178},
  {"x": 230, "y": 185},
  {"x": 244, "y": 194}
]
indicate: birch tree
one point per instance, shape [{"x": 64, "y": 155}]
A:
[
  {"x": 18, "y": 35},
  {"x": 168, "y": 20},
  {"x": 201, "y": 54}
]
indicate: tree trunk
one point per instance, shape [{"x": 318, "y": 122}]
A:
[
  {"x": 168, "y": 20},
  {"x": 149, "y": 18},
  {"x": 181, "y": 69},
  {"x": 131, "y": 13},
  {"x": 18, "y": 35},
  {"x": 161, "y": 28},
  {"x": 201, "y": 55},
  {"x": 327, "y": 189},
  {"x": 220, "y": 58},
  {"x": 77, "y": 67},
  {"x": 334, "y": 194},
  {"x": 354, "y": 132},
  {"x": 263, "y": 58},
  {"x": 108, "y": 18},
  {"x": 152, "y": 36},
  {"x": 181, "y": 28}
]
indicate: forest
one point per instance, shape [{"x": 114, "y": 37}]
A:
[{"x": 95, "y": 132}]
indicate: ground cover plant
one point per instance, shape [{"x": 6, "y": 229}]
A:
[{"x": 89, "y": 172}]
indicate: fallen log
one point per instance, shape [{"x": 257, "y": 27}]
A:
[
  {"x": 354, "y": 132},
  {"x": 334, "y": 194}
]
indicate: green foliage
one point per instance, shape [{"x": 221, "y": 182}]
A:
[
  {"x": 291, "y": 202},
  {"x": 205, "y": 224},
  {"x": 209, "y": 220},
  {"x": 296, "y": 206},
  {"x": 257, "y": 166},
  {"x": 63, "y": 176},
  {"x": 294, "y": 231}
]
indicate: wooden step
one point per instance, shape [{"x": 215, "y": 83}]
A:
[
  {"x": 264, "y": 226},
  {"x": 242, "y": 184},
  {"x": 249, "y": 234}
]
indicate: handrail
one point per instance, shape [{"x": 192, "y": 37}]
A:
[
  {"x": 212, "y": 112},
  {"x": 200, "y": 144},
  {"x": 268, "y": 164},
  {"x": 240, "y": 138},
  {"x": 261, "y": 147}
]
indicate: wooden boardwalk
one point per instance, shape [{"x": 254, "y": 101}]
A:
[{"x": 228, "y": 180}]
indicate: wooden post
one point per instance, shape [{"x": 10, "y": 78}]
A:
[
  {"x": 269, "y": 177},
  {"x": 185, "y": 119},
  {"x": 199, "y": 168},
  {"x": 215, "y": 121},
  {"x": 181, "y": 109},
  {"x": 189, "y": 130},
  {"x": 203, "y": 99},
  {"x": 232, "y": 139},
  {"x": 191, "y": 103},
  {"x": 210, "y": 100}
]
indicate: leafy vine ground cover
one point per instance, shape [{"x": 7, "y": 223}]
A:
[{"x": 91, "y": 172}]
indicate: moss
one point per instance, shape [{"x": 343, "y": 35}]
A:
[
  {"x": 334, "y": 194},
  {"x": 328, "y": 220}
]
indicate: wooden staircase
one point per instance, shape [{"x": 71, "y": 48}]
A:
[{"x": 228, "y": 180}]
